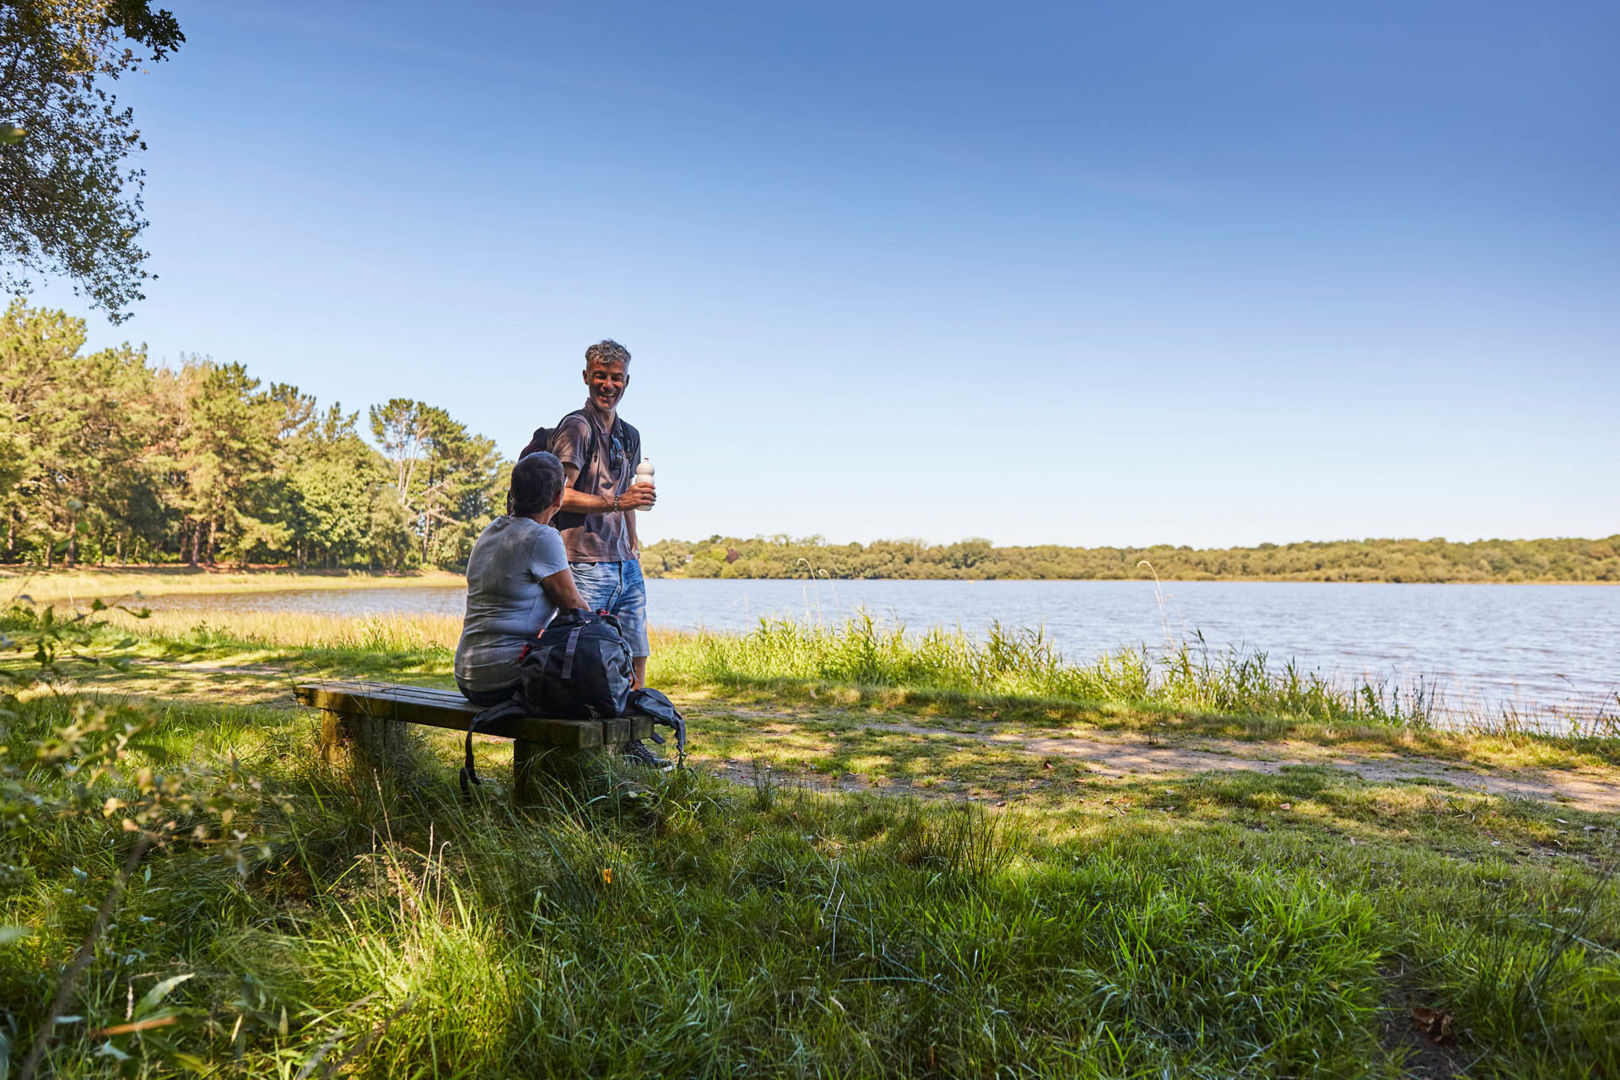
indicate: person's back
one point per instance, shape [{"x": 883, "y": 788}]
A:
[
  {"x": 506, "y": 606},
  {"x": 517, "y": 578}
]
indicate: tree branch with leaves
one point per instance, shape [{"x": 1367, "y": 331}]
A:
[{"x": 70, "y": 201}]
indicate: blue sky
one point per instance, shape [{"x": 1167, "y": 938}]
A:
[{"x": 1073, "y": 273}]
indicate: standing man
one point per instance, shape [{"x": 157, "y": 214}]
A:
[{"x": 599, "y": 454}]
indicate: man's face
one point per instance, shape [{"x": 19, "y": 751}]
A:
[{"x": 606, "y": 382}]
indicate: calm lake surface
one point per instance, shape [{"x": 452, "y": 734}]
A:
[{"x": 1531, "y": 646}]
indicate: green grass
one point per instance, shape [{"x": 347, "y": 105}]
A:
[
  {"x": 689, "y": 926},
  {"x": 1016, "y": 669},
  {"x": 1025, "y": 664},
  {"x": 1214, "y": 924}
]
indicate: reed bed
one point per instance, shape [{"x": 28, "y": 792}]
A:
[
  {"x": 1013, "y": 662},
  {"x": 1018, "y": 663}
]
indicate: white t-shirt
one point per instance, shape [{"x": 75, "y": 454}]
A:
[{"x": 506, "y": 607}]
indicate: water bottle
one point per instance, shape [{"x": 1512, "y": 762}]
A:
[{"x": 644, "y": 473}]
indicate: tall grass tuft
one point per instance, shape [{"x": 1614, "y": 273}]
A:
[{"x": 1026, "y": 663}]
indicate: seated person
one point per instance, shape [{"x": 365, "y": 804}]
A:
[{"x": 517, "y": 579}]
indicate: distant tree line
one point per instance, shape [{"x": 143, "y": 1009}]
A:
[
  {"x": 105, "y": 457},
  {"x": 1339, "y": 560}
]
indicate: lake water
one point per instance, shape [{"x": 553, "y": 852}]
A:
[{"x": 1531, "y": 646}]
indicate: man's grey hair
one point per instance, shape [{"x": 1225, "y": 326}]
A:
[{"x": 606, "y": 352}]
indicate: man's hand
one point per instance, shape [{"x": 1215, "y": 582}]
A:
[{"x": 638, "y": 497}]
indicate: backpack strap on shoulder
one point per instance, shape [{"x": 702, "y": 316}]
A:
[
  {"x": 543, "y": 437},
  {"x": 590, "y": 442},
  {"x": 632, "y": 438}
]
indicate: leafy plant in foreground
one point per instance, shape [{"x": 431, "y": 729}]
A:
[{"x": 94, "y": 767}]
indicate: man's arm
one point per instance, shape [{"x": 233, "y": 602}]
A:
[
  {"x": 639, "y": 496},
  {"x": 561, "y": 591}
]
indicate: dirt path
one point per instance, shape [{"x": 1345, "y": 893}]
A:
[{"x": 1134, "y": 756}]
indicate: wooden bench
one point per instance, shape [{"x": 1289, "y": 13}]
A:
[{"x": 369, "y": 718}]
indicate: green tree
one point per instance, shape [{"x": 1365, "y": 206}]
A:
[
  {"x": 334, "y": 479},
  {"x": 447, "y": 480},
  {"x": 69, "y": 201},
  {"x": 102, "y": 454},
  {"x": 389, "y": 540},
  {"x": 460, "y": 490},
  {"x": 71, "y": 427},
  {"x": 108, "y": 446},
  {"x": 228, "y": 450},
  {"x": 1350, "y": 560},
  {"x": 402, "y": 428},
  {"x": 36, "y": 349}
]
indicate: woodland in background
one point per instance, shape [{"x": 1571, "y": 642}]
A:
[
  {"x": 107, "y": 458},
  {"x": 1337, "y": 560}
]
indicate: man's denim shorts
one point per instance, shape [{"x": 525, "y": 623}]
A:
[{"x": 617, "y": 588}]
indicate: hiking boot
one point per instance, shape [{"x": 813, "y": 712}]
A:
[{"x": 636, "y": 751}]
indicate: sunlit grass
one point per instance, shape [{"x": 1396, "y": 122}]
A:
[
  {"x": 110, "y": 583},
  {"x": 1023, "y": 665},
  {"x": 387, "y": 634},
  {"x": 1007, "y": 663}
]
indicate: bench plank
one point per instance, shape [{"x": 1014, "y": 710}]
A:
[{"x": 448, "y": 709}]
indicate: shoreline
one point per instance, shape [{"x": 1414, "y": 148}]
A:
[{"x": 83, "y": 583}]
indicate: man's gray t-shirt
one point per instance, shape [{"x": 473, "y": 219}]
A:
[
  {"x": 506, "y": 607},
  {"x": 601, "y": 537}
]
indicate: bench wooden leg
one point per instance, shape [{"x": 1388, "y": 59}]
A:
[
  {"x": 537, "y": 767},
  {"x": 334, "y": 734},
  {"x": 379, "y": 742},
  {"x": 526, "y": 758},
  {"x": 369, "y": 740}
]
